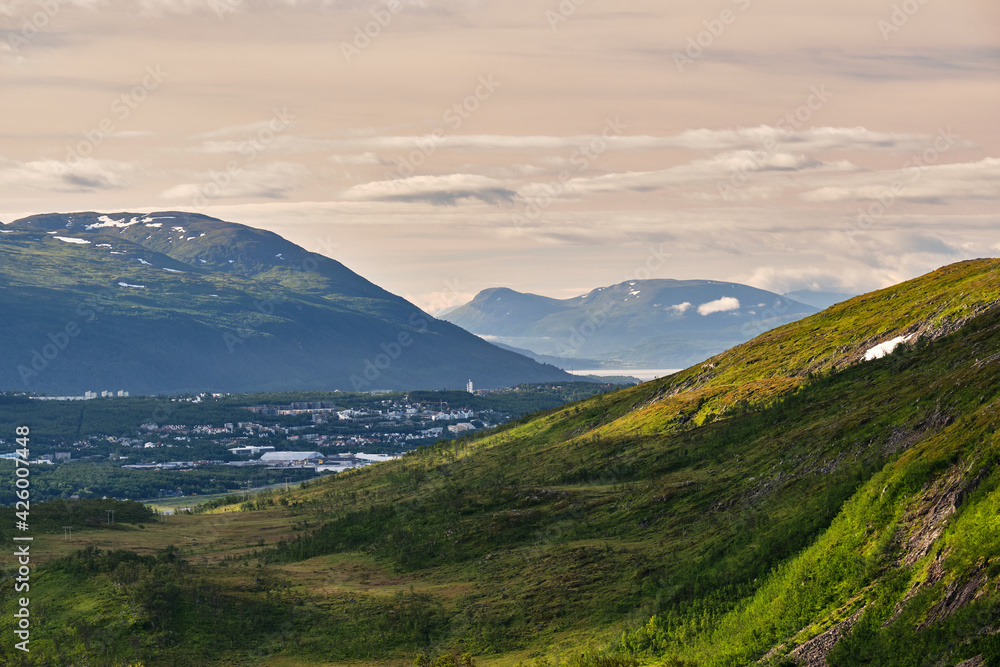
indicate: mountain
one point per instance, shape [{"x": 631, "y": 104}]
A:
[
  {"x": 637, "y": 324},
  {"x": 808, "y": 497},
  {"x": 172, "y": 302}
]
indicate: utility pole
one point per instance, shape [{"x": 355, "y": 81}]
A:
[
  {"x": 68, "y": 533},
  {"x": 111, "y": 517},
  {"x": 286, "y": 483}
]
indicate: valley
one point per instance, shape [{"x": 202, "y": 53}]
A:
[{"x": 728, "y": 514}]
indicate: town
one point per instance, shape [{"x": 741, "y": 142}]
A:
[{"x": 211, "y": 443}]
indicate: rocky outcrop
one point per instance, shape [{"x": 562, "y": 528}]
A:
[
  {"x": 959, "y": 593},
  {"x": 813, "y": 653},
  {"x": 929, "y": 515}
]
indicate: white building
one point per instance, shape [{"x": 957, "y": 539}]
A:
[
  {"x": 251, "y": 450},
  {"x": 292, "y": 458}
]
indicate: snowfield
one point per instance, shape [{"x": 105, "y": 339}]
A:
[
  {"x": 105, "y": 221},
  {"x": 70, "y": 239},
  {"x": 885, "y": 348}
]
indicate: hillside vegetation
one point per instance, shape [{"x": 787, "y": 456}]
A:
[{"x": 785, "y": 502}]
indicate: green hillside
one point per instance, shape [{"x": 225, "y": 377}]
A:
[{"x": 785, "y": 502}]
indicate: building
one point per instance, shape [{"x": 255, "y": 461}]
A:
[
  {"x": 251, "y": 450},
  {"x": 292, "y": 458},
  {"x": 468, "y": 386}
]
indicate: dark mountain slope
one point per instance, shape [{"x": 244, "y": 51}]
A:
[{"x": 173, "y": 302}]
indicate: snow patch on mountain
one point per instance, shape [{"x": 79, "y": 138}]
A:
[
  {"x": 883, "y": 349},
  {"x": 108, "y": 221}
]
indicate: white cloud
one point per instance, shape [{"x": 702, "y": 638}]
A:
[
  {"x": 722, "y": 305},
  {"x": 717, "y": 170},
  {"x": 84, "y": 175},
  {"x": 274, "y": 180},
  {"x": 775, "y": 140},
  {"x": 356, "y": 159},
  {"x": 680, "y": 308},
  {"x": 973, "y": 180},
  {"x": 438, "y": 190},
  {"x": 27, "y": 8}
]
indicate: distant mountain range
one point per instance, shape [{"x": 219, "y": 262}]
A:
[
  {"x": 821, "y": 300},
  {"x": 634, "y": 324},
  {"x": 173, "y": 302}
]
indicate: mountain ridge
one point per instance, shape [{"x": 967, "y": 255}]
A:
[
  {"x": 115, "y": 299},
  {"x": 653, "y": 323}
]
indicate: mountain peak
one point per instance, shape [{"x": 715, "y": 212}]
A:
[
  {"x": 652, "y": 323},
  {"x": 169, "y": 302}
]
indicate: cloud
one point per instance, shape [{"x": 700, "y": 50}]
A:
[
  {"x": 680, "y": 308},
  {"x": 715, "y": 170},
  {"x": 27, "y": 8},
  {"x": 436, "y": 190},
  {"x": 903, "y": 64},
  {"x": 357, "y": 159},
  {"x": 778, "y": 140},
  {"x": 157, "y": 8},
  {"x": 931, "y": 184},
  {"x": 274, "y": 180},
  {"x": 242, "y": 131},
  {"x": 722, "y": 305},
  {"x": 84, "y": 175}
]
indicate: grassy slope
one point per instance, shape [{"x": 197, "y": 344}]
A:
[{"x": 751, "y": 502}]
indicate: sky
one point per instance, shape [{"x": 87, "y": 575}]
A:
[{"x": 441, "y": 147}]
